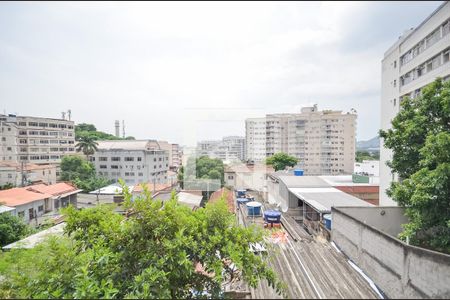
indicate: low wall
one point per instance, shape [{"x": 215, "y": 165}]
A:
[{"x": 400, "y": 270}]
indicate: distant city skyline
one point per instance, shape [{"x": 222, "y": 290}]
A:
[{"x": 185, "y": 72}]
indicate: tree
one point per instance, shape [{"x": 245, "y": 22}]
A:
[
  {"x": 12, "y": 229},
  {"x": 281, "y": 160},
  {"x": 89, "y": 130},
  {"x": 420, "y": 139},
  {"x": 157, "y": 250},
  {"x": 81, "y": 173},
  {"x": 87, "y": 144},
  {"x": 366, "y": 155}
]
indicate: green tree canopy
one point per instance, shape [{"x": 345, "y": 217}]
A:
[
  {"x": 89, "y": 130},
  {"x": 366, "y": 155},
  {"x": 82, "y": 173},
  {"x": 420, "y": 141},
  {"x": 279, "y": 161},
  {"x": 202, "y": 167},
  {"x": 12, "y": 229},
  {"x": 87, "y": 144},
  {"x": 157, "y": 251}
]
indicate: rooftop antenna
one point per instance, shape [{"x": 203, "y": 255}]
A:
[
  {"x": 63, "y": 115},
  {"x": 123, "y": 128},
  {"x": 69, "y": 113},
  {"x": 117, "y": 124}
]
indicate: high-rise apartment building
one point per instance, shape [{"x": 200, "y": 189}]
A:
[
  {"x": 35, "y": 140},
  {"x": 323, "y": 141},
  {"x": 230, "y": 148},
  {"x": 134, "y": 161},
  {"x": 416, "y": 59},
  {"x": 174, "y": 154}
]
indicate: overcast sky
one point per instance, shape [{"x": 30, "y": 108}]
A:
[{"x": 187, "y": 71}]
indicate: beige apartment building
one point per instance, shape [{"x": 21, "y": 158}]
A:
[
  {"x": 174, "y": 154},
  {"x": 35, "y": 140},
  {"x": 416, "y": 59},
  {"x": 323, "y": 141}
]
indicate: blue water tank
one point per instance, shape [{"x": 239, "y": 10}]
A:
[
  {"x": 242, "y": 200},
  {"x": 254, "y": 208},
  {"x": 298, "y": 172},
  {"x": 272, "y": 216},
  {"x": 241, "y": 193},
  {"x": 327, "y": 219}
]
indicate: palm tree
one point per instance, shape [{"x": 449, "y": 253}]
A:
[{"x": 87, "y": 144}]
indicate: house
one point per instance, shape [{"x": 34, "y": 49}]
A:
[
  {"x": 32, "y": 202},
  {"x": 247, "y": 176},
  {"x": 17, "y": 174}
]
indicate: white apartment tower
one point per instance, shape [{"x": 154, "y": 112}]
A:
[
  {"x": 134, "y": 161},
  {"x": 35, "y": 140},
  {"x": 416, "y": 59},
  {"x": 323, "y": 141},
  {"x": 229, "y": 149}
]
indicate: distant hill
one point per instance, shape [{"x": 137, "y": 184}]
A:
[{"x": 372, "y": 144}]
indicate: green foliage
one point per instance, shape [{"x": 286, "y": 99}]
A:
[
  {"x": 279, "y": 161},
  {"x": 366, "y": 155},
  {"x": 7, "y": 186},
  {"x": 81, "y": 173},
  {"x": 204, "y": 167},
  {"x": 84, "y": 130},
  {"x": 12, "y": 229},
  {"x": 87, "y": 144},
  {"x": 420, "y": 140},
  {"x": 152, "y": 253}
]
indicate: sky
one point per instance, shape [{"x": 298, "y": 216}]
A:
[{"x": 188, "y": 71}]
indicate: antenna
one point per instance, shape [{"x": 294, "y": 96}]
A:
[
  {"x": 63, "y": 115},
  {"x": 69, "y": 113},
  {"x": 123, "y": 128},
  {"x": 117, "y": 124}
]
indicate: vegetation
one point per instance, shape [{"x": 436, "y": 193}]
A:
[
  {"x": 12, "y": 229},
  {"x": 366, "y": 155},
  {"x": 205, "y": 168},
  {"x": 420, "y": 141},
  {"x": 82, "y": 173},
  {"x": 279, "y": 161},
  {"x": 7, "y": 186},
  {"x": 87, "y": 144},
  {"x": 89, "y": 130},
  {"x": 156, "y": 252}
]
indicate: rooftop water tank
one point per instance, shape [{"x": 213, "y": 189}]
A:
[
  {"x": 241, "y": 193},
  {"x": 327, "y": 219},
  {"x": 254, "y": 208},
  {"x": 298, "y": 172},
  {"x": 242, "y": 200},
  {"x": 272, "y": 216}
]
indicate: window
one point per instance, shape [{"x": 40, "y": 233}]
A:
[
  {"x": 102, "y": 158},
  {"x": 395, "y": 64},
  {"x": 139, "y": 159},
  {"x": 9, "y": 176},
  {"x": 40, "y": 208},
  {"x": 140, "y": 174},
  {"x": 115, "y": 158},
  {"x": 3, "y": 139},
  {"x": 395, "y": 102},
  {"x": 102, "y": 166},
  {"x": 114, "y": 167},
  {"x": 8, "y": 148},
  {"x": 22, "y": 123},
  {"x": 395, "y": 82},
  {"x": 22, "y": 141},
  {"x": 43, "y": 124},
  {"x": 129, "y": 158},
  {"x": 53, "y": 125},
  {"x": 33, "y": 124}
]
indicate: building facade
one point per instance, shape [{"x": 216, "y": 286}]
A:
[
  {"x": 229, "y": 149},
  {"x": 418, "y": 57},
  {"x": 174, "y": 154},
  {"x": 36, "y": 140},
  {"x": 134, "y": 161},
  {"x": 26, "y": 173},
  {"x": 323, "y": 141}
]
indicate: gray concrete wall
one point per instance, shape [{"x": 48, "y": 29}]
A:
[{"x": 400, "y": 270}]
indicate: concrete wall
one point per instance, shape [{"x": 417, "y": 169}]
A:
[{"x": 400, "y": 270}]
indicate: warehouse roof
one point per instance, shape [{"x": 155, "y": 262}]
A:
[{"x": 322, "y": 199}]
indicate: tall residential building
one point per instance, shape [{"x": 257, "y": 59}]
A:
[
  {"x": 36, "y": 140},
  {"x": 416, "y": 59},
  {"x": 230, "y": 148},
  {"x": 134, "y": 161},
  {"x": 174, "y": 154},
  {"x": 323, "y": 141}
]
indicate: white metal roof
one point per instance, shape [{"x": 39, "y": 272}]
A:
[
  {"x": 112, "y": 189},
  {"x": 322, "y": 199},
  {"x": 4, "y": 208},
  {"x": 188, "y": 199},
  {"x": 128, "y": 145}
]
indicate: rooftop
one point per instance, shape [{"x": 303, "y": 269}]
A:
[
  {"x": 112, "y": 189},
  {"x": 27, "y": 166},
  {"x": 19, "y": 196},
  {"x": 4, "y": 208},
  {"x": 128, "y": 145},
  {"x": 62, "y": 188},
  {"x": 153, "y": 188},
  {"x": 322, "y": 199},
  {"x": 33, "y": 240},
  {"x": 228, "y": 197}
]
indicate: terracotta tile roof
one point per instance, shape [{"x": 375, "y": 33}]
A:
[
  {"x": 53, "y": 189},
  {"x": 27, "y": 166},
  {"x": 157, "y": 187},
  {"x": 229, "y": 198},
  {"x": 18, "y": 196}
]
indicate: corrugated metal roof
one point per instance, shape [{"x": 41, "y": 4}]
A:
[
  {"x": 4, "y": 208},
  {"x": 322, "y": 199},
  {"x": 112, "y": 189},
  {"x": 302, "y": 181},
  {"x": 189, "y": 199}
]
